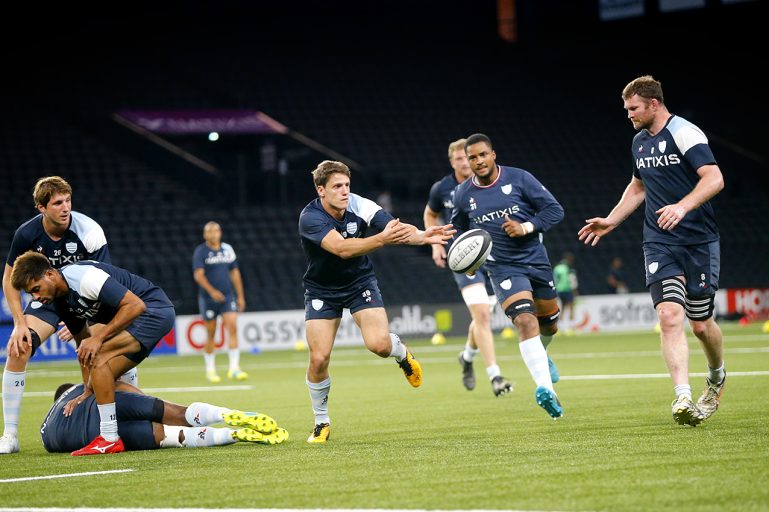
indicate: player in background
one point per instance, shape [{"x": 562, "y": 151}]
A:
[
  {"x": 220, "y": 293},
  {"x": 675, "y": 172},
  {"x": 64, "y": 237},
  {"x": 148, "y": 423},
  {"x": 473, "y": 288},
  {"x": 136, "y": 314},
  {"x": 515, "y": 209},
  {"x": 335, "y": 231},
  {"x": 566, "y": 285}
]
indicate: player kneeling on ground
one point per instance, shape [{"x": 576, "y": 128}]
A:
[{"x": 136, "y": 314}]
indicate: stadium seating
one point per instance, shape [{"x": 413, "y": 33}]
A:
[{"x": 394, "y": 116}]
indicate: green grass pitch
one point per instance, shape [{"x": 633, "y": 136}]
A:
[{"x": 439, "y": 446}]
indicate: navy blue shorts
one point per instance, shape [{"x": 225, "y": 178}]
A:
[
  {"x": 330, "y": 304},
  {"x": 135, "y": 414},
  {"x": 699, "y": 264},
  {"x": 508, "y": 280},
  {"x": 45, "y": 312},
  {"x": 210, "y": 309},
  {"x": 481, "y": 276},
  {"x": 566, "y": 297},
  {"x": 149, "y": 329}
]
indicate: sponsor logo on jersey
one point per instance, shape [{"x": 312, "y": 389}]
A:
[
  {"x": 473, "y": 204},
  {"x": 220, "y": 257},
  {"x": 495, "y": 215},
  {"x": 657, "y": 161}
]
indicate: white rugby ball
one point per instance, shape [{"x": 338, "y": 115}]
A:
[{"x": 469, "y": 251}]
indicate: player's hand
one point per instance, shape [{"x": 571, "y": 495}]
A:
[
  {"x": 20, "y": 340},
  {"x": 88, "y": 350},
  {"x": 670, "y": 216},
  {"x": 217, "y": 296},
  {"x": 595, "y": 228},
  {"x": 439, "y": 255},
  {"x": 439, "y": 235},
  {"x": 241, "y": 304},
  {"x": 70, "y": 406},
  {"x": 64, "y": 334},
  {"x": 513, "y": 228},
  {"x": 397, "y": 232}
]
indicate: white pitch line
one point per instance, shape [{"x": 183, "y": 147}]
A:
[
  {"x": 625, "y": 376},
  {"x": 79, "y": 509},
  {"x": 67, "y": 475},
  {"x": 167, "y": 390}
]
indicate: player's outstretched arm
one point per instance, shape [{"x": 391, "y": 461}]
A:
[{"x": 598, "y": 227}]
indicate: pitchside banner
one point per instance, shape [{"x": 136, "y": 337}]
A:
[
  {"x": 55, "y": 349},
  {"x": 280, "y": 330}
]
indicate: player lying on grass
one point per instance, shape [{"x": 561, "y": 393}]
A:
[{"x": 147, "y": 423}]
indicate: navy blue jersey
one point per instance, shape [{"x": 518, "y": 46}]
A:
[
  {"x": 520, "y": 196},
  {"x": 95, "y": 292},
  {"x": 84, "y": 240},
  {"x": 59, "y": 433},
  {"x": 441, "y": 197},
  {"x": 135, "y": 414},
  {"x": 216, "y": 265},
  {"x": 327, "y": 271},
  {"x": 667, "y": 164}
]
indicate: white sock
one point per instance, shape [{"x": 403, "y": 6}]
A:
[
  {"x": 546, "y": 339},
  {"x": 131, "y": 377},
  {"x": 200, "y": 414},
  {"x": 683, "y": 389},
  {"x": 210, "y": 360},
  {"x": 13, "y": 389},
  {"x": 200, "y": 437},
  {"x": 535, "y": 358},
  {"x": 493, "y": 371},
  {"x": 398, "y": 350},
  {"x": 234, "y": 359},
  {"x": 108, "y": 423},
  {"x": 469, "y": 353},
  {"x": 319, "y": 397},
  {"x": 716, "y": 375}
]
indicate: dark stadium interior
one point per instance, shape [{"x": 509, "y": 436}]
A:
[{"x": 387, "y": 85}]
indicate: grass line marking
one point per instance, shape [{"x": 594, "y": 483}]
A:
[{"x": 67, "y": 475}]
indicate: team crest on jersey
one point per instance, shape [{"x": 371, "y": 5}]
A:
[
  {"x": 352, "y": 228},
  {"x": 317, "y": 304},
  {"x": 662, "y": 145},
  {"x": 506, "y": 189},
  {"x": 71, "y": 247}
]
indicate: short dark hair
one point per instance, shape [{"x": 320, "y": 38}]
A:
[
  {"x": 61, "y": 389},
  {"x": 476, "y": 138},
  {"x": 28, "y": 266}
]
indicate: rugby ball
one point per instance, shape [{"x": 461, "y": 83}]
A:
[{"x": 469, "y": 251}]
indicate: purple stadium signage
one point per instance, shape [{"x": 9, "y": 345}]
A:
[{"x": 179, "y": 122}]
